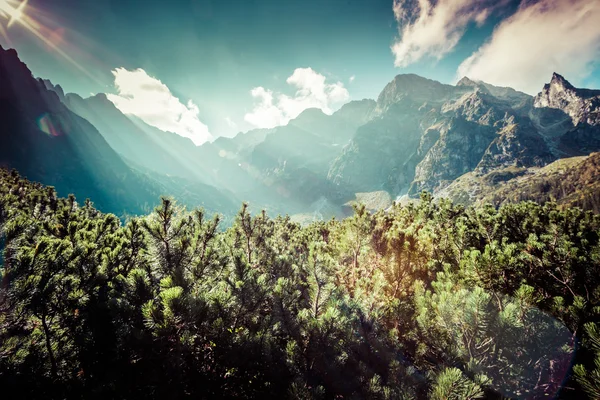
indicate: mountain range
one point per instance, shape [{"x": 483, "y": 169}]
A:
[{"x": 472, "y": 142}]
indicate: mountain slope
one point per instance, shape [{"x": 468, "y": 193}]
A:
[
  {"x": 571, "y": 181},
  {"x": 284, "y": 169},
  {"x": 47, "y": 142},
  {"x": 159, "y": 151}
]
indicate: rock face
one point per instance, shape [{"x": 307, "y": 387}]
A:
[
  {"x": 382, "y": 153},
  {"x": 426, "y": 134},
  {"x": 570, "y": 115},
  {"x": 517, "y": 145},
  {"x": 581, "y": 105}
]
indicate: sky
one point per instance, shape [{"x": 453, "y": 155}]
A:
[{"x": 210, "y": 68}]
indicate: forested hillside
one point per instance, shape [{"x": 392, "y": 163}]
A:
[{"x": 423, "y": 301}]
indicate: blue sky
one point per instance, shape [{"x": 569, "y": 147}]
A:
[{"x": 215, "y": 52}]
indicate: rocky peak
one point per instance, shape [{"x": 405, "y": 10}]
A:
[
  {"x": 581, "y": 105},
  {"x": 477, "y": 86},
  {"x": 54, "y": 88},
  {"x": 10, "y": 57},
  {"x": 558, "y": 81},
  {"x": 466, "y": 81},
  {"x": 15, "y": 71},
  {"x": 19, "y": 86},
  {"x": 414, "y": 88},
  {"x": 357, "y": 111},
  {"x": 478, "y": 106},
  {"x": 101, "y": 98},
  {"x": 515, "y": 98},
  {"x": 556, "y": 94}
]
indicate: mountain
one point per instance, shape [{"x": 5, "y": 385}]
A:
[
  {"x": 163, "y": 153},
  {"x": 575, "y": 116},
  {"x": 517, "y": 100},
  {"x": 418, "y": 135},
  {"x": 427, "y": 134},
  {"x": 47, "y": 142},
  {"x": 581, "y": 105},
  {"x": 284, "y": 169},
  {"x": 572, "y": 181},
  {"x": 567, "y": 118},
  {"x": 175, "y": 161}
]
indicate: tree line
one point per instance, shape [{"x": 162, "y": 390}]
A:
[{"x": 428, "y": 300}]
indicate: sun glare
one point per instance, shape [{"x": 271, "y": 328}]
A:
[
  {"x": 12, "y": 11},
  {"x": 17, "y": 11}
]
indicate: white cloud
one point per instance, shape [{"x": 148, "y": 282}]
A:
[
  {"x": 540, "y": 38},
  {"x": 352, "y": 78},
  {"x": 151, "y": 100},
  {"x": 230, "y": 123},
  {"x": 265, "y": 113},
  {"x": 312, "y": 91},
  {"x": 433, "y": 28}
]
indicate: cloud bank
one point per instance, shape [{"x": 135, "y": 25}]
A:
[
  {"x": 433, "y": 28},
  {"x": 151, "y": 100},
  {"x": 275, "y": 109},
  {"x": 540, "y": 38}
]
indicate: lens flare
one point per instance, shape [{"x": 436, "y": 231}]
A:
[
  {"x": 10, "y": 12},
  {"x": 18, "y": 12},
  {"x": 47, "y": 126}
]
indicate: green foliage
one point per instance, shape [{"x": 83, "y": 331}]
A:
[
  {"x": 422, "y": 301},
  {"x": 452, "y": 384},
  {"x": 590, "y": 379}
]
